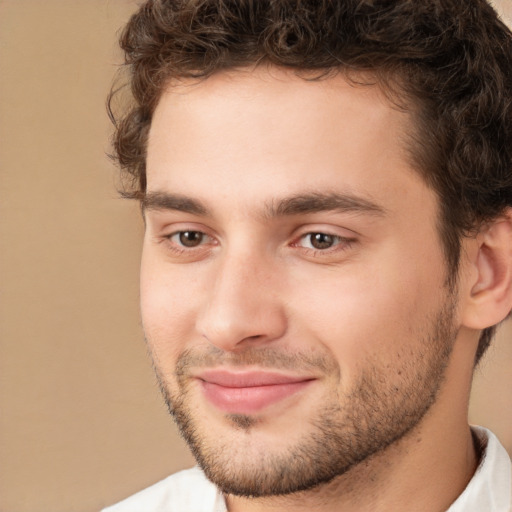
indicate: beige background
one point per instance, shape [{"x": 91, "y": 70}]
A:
[{"x": 82, "y": 424}]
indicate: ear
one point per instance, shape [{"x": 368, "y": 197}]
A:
[{"x": 489, "y": 299}]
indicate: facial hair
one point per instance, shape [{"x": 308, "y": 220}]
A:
[{"x": 381, "y": 407}]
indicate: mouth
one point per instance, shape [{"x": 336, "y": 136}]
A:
[{"x": 250, "y": 391}]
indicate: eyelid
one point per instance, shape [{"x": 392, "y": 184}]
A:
[
  {"x": 326, "y": 229},
  {"x": 340, "y": 242},
  {"x": 178, "y": 232},
  {"x": 166, "y": 229},
  {"x": 344, "y": 240},
  {"x": 165, "y": 233},
  {"x": 337, "y": 239}
]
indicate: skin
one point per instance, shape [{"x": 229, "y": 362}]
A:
[{"x": 254, "y": 294}]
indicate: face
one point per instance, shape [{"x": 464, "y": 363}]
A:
[{"x": 292, "y": 280}]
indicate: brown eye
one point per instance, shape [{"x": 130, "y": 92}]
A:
[
  {"x": 321, "y": 240},
  {"x": 190, "y": 238}
]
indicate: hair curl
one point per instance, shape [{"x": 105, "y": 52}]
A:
[{"x": 450, "y": 59}]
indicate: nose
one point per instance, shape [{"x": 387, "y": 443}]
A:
[{"x": 243, "y": 305}]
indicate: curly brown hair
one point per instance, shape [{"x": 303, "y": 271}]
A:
[{"x": 448, "y": 61}]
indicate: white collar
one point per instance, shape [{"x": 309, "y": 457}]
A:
[{"x": 491, "y": 486}]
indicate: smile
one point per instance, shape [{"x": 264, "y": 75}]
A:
[{"x": 248, "y": 392}]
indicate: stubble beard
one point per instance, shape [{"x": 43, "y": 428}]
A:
[{"x": 339, "y": 435}]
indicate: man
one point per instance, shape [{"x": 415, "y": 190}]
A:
[{"x": 326, "y": 188}]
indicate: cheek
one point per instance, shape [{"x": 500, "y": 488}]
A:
[
  {"x": 370, "y": 312},
  {"x": 168, "y": 300}
]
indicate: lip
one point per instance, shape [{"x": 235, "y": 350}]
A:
[{"x": 250, "y": 391}]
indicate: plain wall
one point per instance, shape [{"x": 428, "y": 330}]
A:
[{"x": 82, "y": 424}]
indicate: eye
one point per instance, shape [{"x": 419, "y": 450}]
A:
[
  {"x": 188, "y": 239},
  {"x": 319, "y": 241}
]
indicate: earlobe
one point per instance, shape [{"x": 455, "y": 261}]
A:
[{"x": 490, "y": 298}]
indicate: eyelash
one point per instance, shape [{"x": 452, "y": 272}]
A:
[
  {"x": 180, "y": 248},
  {"x": 340, "y": 243}
]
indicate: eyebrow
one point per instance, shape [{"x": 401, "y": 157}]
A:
[
  {"x": 320, "y": 202},
  {"x": 166, "y": 201},
  {"x": 294, "y": 205}
]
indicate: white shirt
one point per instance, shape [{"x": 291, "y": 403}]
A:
[{"x": 189, "y": 491}]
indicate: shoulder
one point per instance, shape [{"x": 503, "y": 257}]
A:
[{"x": 187, "y": 490}]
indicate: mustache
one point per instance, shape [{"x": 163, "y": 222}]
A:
[{"x": 263, "y": 357}]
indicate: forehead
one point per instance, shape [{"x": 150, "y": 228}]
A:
[
  {"x": 253, "y": 132},
  {"x": 266, "y": 99}
]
